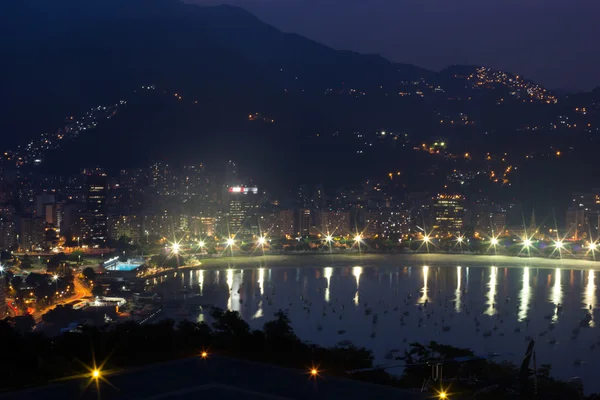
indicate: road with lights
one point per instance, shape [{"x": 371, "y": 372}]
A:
[
  {"x": 80, "y": 290},
  {"x": 214, "y": 377}
]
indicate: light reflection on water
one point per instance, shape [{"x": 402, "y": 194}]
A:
[
  {"x": 590, "y": 295},
  {"x": 491, "y": 297},
  {"x": 457, "y": 293},
  {"x": 357, "y": 272},
  {"x": 261, "y": 285},
  {"x": 524, "y": 295},
  {"x": 200, "y": 274},
  {"x": 328, "y": 272},
  {"x": 557, "y": 293},
  {"x": 425, "y": 289},
  {"x": 507, "y": 304}
]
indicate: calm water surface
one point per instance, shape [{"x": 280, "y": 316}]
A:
[{"x": 487, "y": 309}]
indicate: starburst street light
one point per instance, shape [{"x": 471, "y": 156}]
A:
[
  {"x": 357, "y": 238},
  {"x": 201, "y": 243},
  {"x": 494, "y": 241},
  {"x": 230, "y": 242},
  {"x": 459, "y": 239},
  {"x": 175, "y": 248},
  {"x": 204, "y": 355},
  {"x": 592, "y": 247},
  {"x": 559, "y": 244},
  {"x": 96, "y": 374},
  {"x": 262, "y": 240},
  {"x": 329, "y": 238},
  {"x": 526, "y": 244},
  {"x": 426, "y": 239}
]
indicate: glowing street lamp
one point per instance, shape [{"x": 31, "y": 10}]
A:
[
  {"x": 592, "y": 247},
  {"x": 494, "y": 241},
  {"x": 262, "y": 241},
  {"x": 527, "y": 244},
  {"x": 459, "y": 239},
  {"x": 329, "y": 238},
  {"x": 357, "y": 238},
  {"x": 426, "y": 239},
  {"x": 230, "y": 242},
  {"x": 1, "y": 268},
  {"x": 204, "y": 355},
  {"x": 96, "y": 374},
  {"x": 176, "y": 248},
  {"x": 201, "y": 244},
  {"x": 559, "y": 244},
  {"x": 314, "y": 372}
]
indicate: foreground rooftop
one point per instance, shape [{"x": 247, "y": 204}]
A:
[{"x": 214, "y": 378}]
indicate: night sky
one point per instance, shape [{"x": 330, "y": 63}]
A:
[{"x": 554, "y": 42}]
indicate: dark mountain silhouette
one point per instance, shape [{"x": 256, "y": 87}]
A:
[
  {"x": 68, "y": 55},
  {"x": 62, "y": 57}
]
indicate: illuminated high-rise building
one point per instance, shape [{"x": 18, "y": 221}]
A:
[
  {"x": 129, "y": 226},
  {"x": 334, "y": 222},
  {"x": 7, "y": 234},
  {"x": 577, "y": 223},
  {"x": 242, "y": 218},
  {"x": 304, "y": 222},
  {"x": 448, "y": 214},
  {"x": 96, "y": 227}
]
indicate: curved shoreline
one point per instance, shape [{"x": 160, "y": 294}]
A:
[{"x": 386, "y": 260}]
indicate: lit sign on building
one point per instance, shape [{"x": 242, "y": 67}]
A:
[{"x": 241, "y": 189}]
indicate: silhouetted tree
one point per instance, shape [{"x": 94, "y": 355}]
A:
[
  {"x": 16, "y": 282},
  {"x": 97, "y": 290},
  {"x": 89, "y": 273},
  {"x": 26, "y": 262},
  {"x": 76, "y": 256},
  {"x": 24, "y": 324}
]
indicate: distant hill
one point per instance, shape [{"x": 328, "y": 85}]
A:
[
  {"x": 62, "y": 57},
  {"x": 67, "y": 55}
]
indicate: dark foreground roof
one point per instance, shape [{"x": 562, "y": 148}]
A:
[{"x": 216, "y": 378}]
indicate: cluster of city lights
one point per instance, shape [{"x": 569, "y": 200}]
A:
[{"x": 230, "y": 242}]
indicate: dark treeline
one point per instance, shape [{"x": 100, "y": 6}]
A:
[{"x": 34, "y": 359}]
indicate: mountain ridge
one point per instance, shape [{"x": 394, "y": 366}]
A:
[
  {"x": 140, "y": 41},
  {"x": 74, "y": 55}
]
